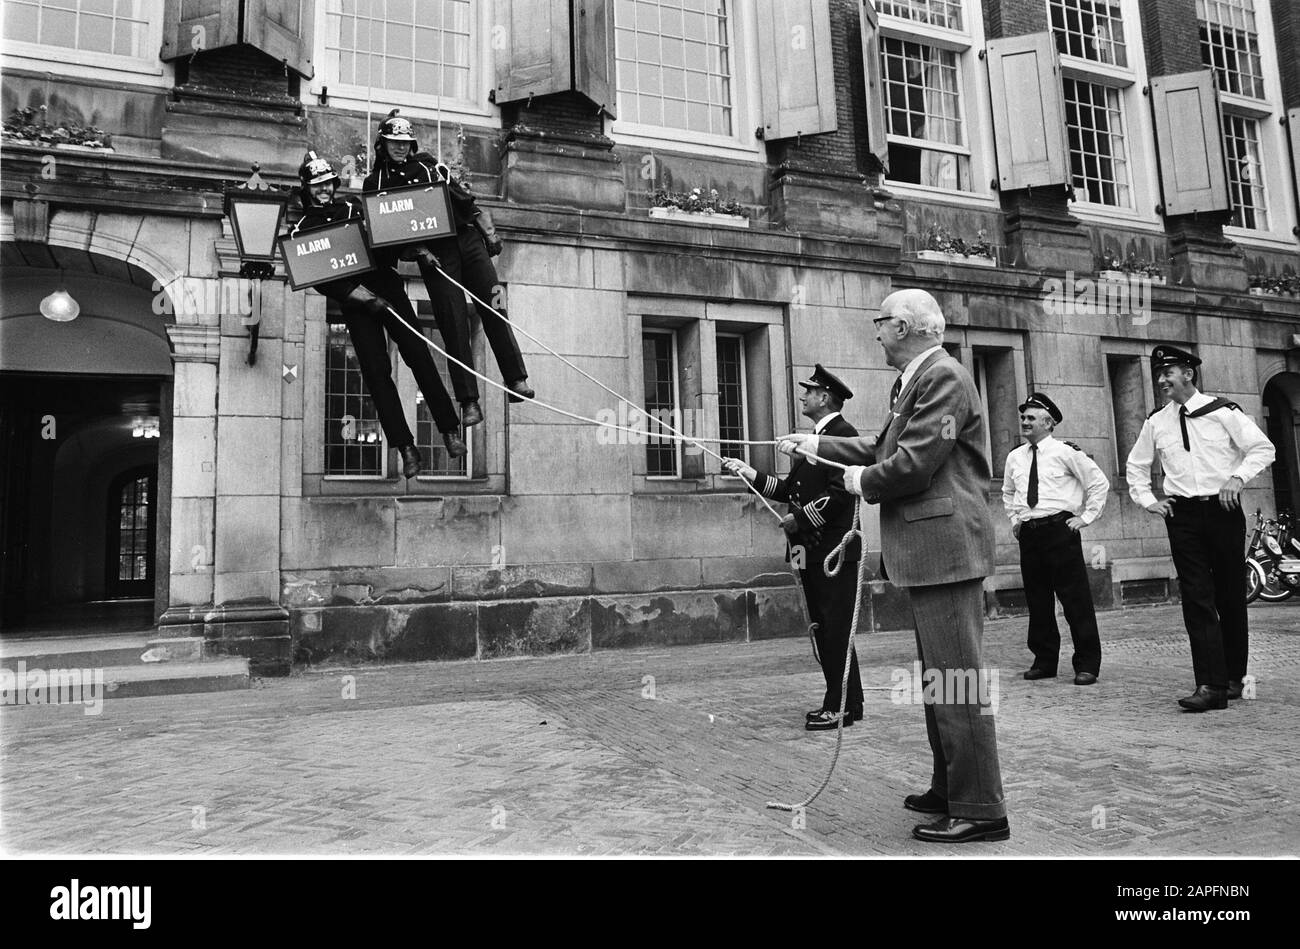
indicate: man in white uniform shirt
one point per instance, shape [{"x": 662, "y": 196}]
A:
[
  {"x": 1051, "y": 491},
  {"x": 1209, "y": 450}
]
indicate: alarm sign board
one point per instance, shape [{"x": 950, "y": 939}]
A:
[
  {"x": 408, "y": 215},
  {"x": 325, "y": 253}
]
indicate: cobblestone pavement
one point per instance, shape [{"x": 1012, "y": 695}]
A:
[{"x": 571, "y": 755}]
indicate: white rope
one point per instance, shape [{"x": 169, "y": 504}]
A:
[{"x": 573, "y": 415}]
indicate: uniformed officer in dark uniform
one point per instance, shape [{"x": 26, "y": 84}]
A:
[
  {"x": 1209, "y": 450},
  {"x": 820, "y": 514},
  {"x": 465, "y": 256},
  {"x": 365, "y": 301},
  {"x": 1052, "y": 490}
]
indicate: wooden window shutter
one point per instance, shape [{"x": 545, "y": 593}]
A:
[
  {"x": 1189, "y": 137},
  {"x": 796, "y": 68},
  {"x": 1293, "y": 132},
  {"x": 877, "y": 130},
  {"x": 533, "y": 57},
  {"x": 1028, "y": 112},
  {"x": 593, "y": 52},
  {"x": 282, "y": 30},
  {"x": 193, "y": 25}
]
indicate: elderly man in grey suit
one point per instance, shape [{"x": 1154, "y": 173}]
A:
[{"x": 928, "y": 472}]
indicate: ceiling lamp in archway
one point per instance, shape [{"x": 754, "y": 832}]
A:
[{"x": 60, "y": 307}]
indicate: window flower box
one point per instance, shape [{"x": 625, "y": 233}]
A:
[
  {"x": 699, "y": 217},
  {"x": 941, "y": 256},
  {"x": 1123, "y": 276}
]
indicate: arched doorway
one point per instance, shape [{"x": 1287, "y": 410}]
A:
[
  {"x": 85, "y": 420},
  {"x": 1282, "y": 417}
]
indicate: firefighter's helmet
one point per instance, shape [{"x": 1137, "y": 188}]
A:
[
  {"x": 397, "y": 129},
  {"x": 316, "y": 170}
]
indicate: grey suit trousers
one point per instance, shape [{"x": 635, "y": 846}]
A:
[{"x": 949, "y": 633}]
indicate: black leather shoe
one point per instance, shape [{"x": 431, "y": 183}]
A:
[
  {"x": 520, "y": 390},
  {"x": 411, "y": 460},
  {"x": 1234, "y": 688},
  {"x": 1085, "y": 678},
  {"x": 455, "y": 445},
  {"x": 1205, "y": 697},
  {"x": 1037, "y": 673},
  {"x": 855, "y": 714},
  {"x": 828, "y": 721},
  {"x": 927, "y": 803},
  {"x": 962, "y": 830},
  {"x": 470, "y": 413}
]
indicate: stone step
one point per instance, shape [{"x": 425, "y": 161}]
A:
[
  {"x": 176, "y": 678},
  {"x": 73, "y": 652}
]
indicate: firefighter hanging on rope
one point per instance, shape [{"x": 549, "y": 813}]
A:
[
  {"x": 366, "y": 300},
  {"x": 465, "y": 256}
]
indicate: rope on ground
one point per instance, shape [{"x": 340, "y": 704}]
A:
[{"x": 844, "y": 679}]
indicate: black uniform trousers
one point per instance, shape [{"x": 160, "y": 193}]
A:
[
  {"x": 1207, "y": 544},
  {"x": 370, "y": 344},
  {"x": 830, "y": 605},
  {"x": 1052, "y": 567},
  {"x": 465, "y": 258}
]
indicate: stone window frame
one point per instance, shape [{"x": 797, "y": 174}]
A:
[
  {"x": 1139, "y": 351},
  {"x": 1138, "y": 130},
  {"x": 695, "y": 325},
  {"x": 1273, "y": 145},
  {"x": 377, "y": 101},
  {"x": 973, "y": 98},
  {"x": 488, "y": 465},
  {"x": 973, "y": 348},
  {"x": 146, "y": 69},
  {"x": 745, "y": 107}
]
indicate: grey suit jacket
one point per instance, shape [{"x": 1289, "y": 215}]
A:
[{"x": 928, "y": 472}]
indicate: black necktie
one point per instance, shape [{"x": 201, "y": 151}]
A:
[
  {"x": 1182, "y": 421},
  {"x": 893, "y": 393},
  {"x": 1032, "y": 496}
]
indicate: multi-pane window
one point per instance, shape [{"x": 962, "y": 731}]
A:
[
  {"x": 1098, "y": 159},
  {"x": 944, "y": 13},
  {"x": 1230, "y": 44},
  {"x": 437, "y": 463},
  {"x": 354, "y": 441},
  {"x": 115, "y": 27},
  {"x": 403, "y": 45},
  {"x": 924, "y": 115},
  {"x": 660, "y": 374},
  {"x": 731, "y": 397},
  {"x": 133, "y": 530},
  {"x": 1245, "y": 172},
  {"x": 1089, "y": 29},
  {"x": 674, "y": 64}
]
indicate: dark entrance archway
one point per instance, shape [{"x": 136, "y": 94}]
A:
[
  {"x": 84, "y": 404},
  {"x": 1282, "y": 410}
]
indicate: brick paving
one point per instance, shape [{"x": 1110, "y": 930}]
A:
[{"x": 569, "y": 755}]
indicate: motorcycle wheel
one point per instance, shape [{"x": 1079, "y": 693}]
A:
[
  {"x": 1272, "y": 590},
  {"x": 1253, "y": 583}
]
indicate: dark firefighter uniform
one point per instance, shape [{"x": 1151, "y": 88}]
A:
[
  {"x": 823, "y": 511},
  {"x": 365, "y": 301},
  {"x": 464, "y": 256}
]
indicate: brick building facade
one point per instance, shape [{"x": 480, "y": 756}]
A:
[{"x": 1059, "y": 138}]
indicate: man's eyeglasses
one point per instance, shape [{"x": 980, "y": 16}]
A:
[{"x": 881, "y": 319}]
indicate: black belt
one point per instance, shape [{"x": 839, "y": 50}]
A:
[
  {"x": 1204, "y": 498},
  {"x": 1049, "y": 519}
]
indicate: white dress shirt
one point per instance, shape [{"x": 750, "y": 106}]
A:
[
  {"x": 1224, "y": 444},
  {"x": 1068, "y": 481},
  {"x": 910, "y": 369},
  {"x": 817, "y": 429}
]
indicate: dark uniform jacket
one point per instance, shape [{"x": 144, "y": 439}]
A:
[
  {"x": 320, "y": 215},
  {"x": 818, "y": 501}
]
